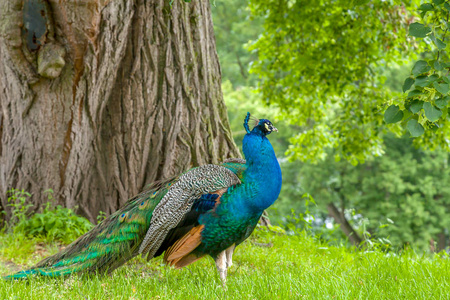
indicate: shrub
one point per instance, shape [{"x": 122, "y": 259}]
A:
[{"x": 54, "y": 223}]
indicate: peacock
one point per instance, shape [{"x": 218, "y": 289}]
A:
[{"x": 207, "y": 210}]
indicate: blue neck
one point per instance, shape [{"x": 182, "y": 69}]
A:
[{"x": 263, "y": 171}]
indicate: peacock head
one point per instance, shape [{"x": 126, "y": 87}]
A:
[{"x": 262, "y": 126}]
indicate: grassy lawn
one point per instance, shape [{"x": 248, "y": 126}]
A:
[{"x": 268, "y": 266}]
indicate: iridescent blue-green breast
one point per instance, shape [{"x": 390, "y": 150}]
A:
[
  {"x": 238, "y": 210},
  {"x": 227, "y": 224}
]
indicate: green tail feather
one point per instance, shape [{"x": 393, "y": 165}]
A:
[
  {"x": 21, "y": 275},
  {"x": 108, "y": 245}
]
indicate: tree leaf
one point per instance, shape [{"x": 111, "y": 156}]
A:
[
  {"x": 422, "y": 81},
  {"x": 438, "y": 2},
  {"x": 426, "y": 7},
  {"x": 414, "y": 93},
  {"x": 441, "y": 88},
  {"x": 407, "y": 84},
  {"x": 420, "y": 67},
  {"x": 440, "y": 44},
  {"x": 433, "y": 78},
  {"x": 431, "y": 112},
  {"x": 415, "y": 106},
  {"x": 438, "y": 66},
  {"x": 361, "y": 2},
  {"x": 415, "y": 128},
  {"x": 393, "y": 114},
  {"x": 419, "y": 30},
  {"x": 447, "y": 6},
  {"x": 442, "y": 102}
]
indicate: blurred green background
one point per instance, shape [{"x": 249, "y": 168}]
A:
[{"x": 324, "y": 73}]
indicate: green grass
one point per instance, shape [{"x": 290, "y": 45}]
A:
[{"x": 295, "y": 267}]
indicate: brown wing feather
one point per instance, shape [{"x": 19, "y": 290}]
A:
[
  {"x": 179, "y": 254},
  {"x": 185, "y": 260},
  {"x": 185, "y": 245}
]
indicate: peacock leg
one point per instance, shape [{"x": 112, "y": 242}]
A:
[
  {"x": 221, "y": 264},
  {"x": 223, "y": 261},
  {"x": 229, "y": 252}
]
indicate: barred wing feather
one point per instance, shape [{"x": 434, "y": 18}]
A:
[{"x": 179, "y": 199}]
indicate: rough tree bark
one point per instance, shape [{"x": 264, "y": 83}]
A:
[{"x": 114, "y": 95}]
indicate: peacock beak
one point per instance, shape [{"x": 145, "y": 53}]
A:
[{"x": 274, "y": 129}]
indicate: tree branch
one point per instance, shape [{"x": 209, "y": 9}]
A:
[
  {"x": 241, "y": 67},
  {"x": 352, "y": 235}
]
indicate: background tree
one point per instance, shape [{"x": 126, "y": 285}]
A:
[
  {"x": 401, "y": 197},
  {"x": 99, "y": 98},
  {"x": 322, "y": 64},
  {"x": 235, "y": 26}
]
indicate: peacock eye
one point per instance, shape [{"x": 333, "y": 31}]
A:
[
  {"x": 123, "y": 217},
  {"x": 142, "y": 205}
]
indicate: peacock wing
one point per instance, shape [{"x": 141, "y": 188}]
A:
[{"x": 178, "y": 200}]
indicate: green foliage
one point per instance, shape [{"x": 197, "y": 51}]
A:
[
  {"x": 393, "y": 186},
  {"x": 267, "y": 266},
  {"x": 101, "y": 216},
  {"x": 428, "y": 83},
  {"x": 410, "y": 187},
  {"x": 234, "y": 27},
  {"x": 393, "y": 114},
  {"x": 402, "y": 196},
  {"x": 19, "y": 208},
  {"x": 244, "y": 99},
  {"x": 418, "y": 30},
  {"x": 345, "y": 117},
  {"x": 321, "y": 64},
  {"x": 56, "y": 223},
  {"x": 53, "y": 223},
  {"x": 415, "y": 128}
]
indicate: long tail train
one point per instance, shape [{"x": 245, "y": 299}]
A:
[{"x": 108, "y": 245}]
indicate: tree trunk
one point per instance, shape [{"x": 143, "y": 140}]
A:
[
  {"x": 105, "y": 96},
  {"x": 339, "y": 217},
  {"x": 442, "y": 241}
]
